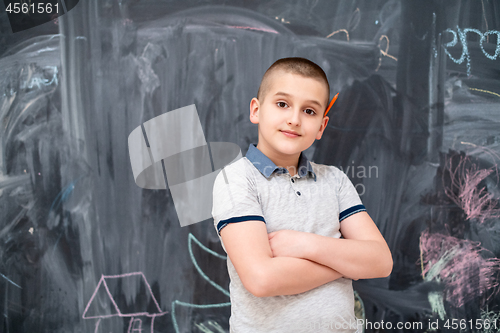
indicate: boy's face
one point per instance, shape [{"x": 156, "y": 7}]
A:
[{"x": 292, "y": 103}]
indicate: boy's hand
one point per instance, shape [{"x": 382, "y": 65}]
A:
[{"x": 289, "y": 243}]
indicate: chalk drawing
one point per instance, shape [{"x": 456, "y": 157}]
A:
[
  {"x": 382, "y": 52},
  {"x": 462, "y": 35},
  {"x": 38, "y": 78},
  {"x": 337, "y": 31},
  {"x": 191, "y": 239},
  {"x": 490, "y": 318},
  {"x": 60, "y": 198},
  {"x": 9, "y": 280},
  {"x": 495, "y": 157},
  {"x": 436, "y": 301},
  {"x": 354, "y": 20},
  {"x": 460, "y": 266},
  {"x": 385, "y": 53},
  {"x": 497, "y": 49},
  {"x": 63, "y": 196},
  {"x": 135, "y": 324},
  {"x": 464, "y": 189},
  {"x": 485, "y": 91},
  {"x": 435, "y": 298},
  {"x": 205, "y": 329}
]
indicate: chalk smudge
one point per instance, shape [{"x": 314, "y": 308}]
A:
[
  {"x": 436, "y": 302},
  {"x": 489, "y": 318},
  {"x": 464, "y": 188},
  {"x": 460, "y": 266}
]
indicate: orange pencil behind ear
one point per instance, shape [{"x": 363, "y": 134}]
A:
[{"x": 331, "y": 103}]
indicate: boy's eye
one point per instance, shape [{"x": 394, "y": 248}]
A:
[
  {"x": 281, "y": 104},
  {"x": 313, "y": 112}
]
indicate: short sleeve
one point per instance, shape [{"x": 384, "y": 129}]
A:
[
  {"x": 349, "y": 200},
  {"x": 235, "y": 198}
]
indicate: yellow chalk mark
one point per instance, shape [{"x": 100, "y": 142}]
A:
[
  {"x": 340, "y": 30},
  {"x": 485, "y": 91}
]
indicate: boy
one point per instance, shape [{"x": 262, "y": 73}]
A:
[{"x": 280, "y": 216}]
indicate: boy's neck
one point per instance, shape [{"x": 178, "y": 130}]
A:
[{"x": 290, "y": 162}]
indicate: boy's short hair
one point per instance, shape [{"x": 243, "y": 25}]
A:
[{"x": 294, "y": 65}]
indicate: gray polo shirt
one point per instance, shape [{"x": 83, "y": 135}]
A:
[{"x": 315, "y": 200}]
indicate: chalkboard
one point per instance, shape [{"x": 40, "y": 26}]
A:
[{"x": 83, "y": 248}]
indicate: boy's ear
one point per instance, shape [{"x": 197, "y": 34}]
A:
[
  {"x": 322, "y": 127},
  {"x": 254, "y": 110}
]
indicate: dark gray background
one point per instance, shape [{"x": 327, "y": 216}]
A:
[{"x": 73, "y": 89}]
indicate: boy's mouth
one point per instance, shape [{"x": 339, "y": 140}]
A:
[{"x": 290, "y": 134}]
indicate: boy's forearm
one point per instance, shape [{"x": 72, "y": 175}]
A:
[
  {"x": 355, "y": 258},
  {"x": 290, "y": 276}
]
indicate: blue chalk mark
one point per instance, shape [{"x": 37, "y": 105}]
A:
[
  {"x": 6, "y": 278},
  {"x": 462, "y": 35},
  {"x": 63, "y": 195},
  {"x": 191, "y": 239},
  {"x": 43, "y": 82},
  {"x": 60, "y": 198},
  {"x": 453, "y": 43},
  {"x": 497, "y": 49}
]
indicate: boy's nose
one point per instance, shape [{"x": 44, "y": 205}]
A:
[{"x": 294, "y": 117}]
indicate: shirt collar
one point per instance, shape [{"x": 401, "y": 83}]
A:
[{"x": 267, "y": 167}]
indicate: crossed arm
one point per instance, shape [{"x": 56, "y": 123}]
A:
[{"x": 288, "y": 262}]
